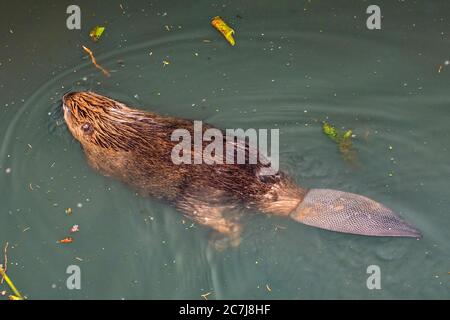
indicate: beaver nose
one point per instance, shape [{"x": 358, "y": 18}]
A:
[{"x": 69, "y": 95}]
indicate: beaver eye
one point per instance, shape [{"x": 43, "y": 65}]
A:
[{"x": 87, "y": 128}]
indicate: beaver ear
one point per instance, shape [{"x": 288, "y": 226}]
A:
[{"x": 87, "y": 128}]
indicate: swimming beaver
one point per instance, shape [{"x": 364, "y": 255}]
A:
[{"x": 135, "y": 147}]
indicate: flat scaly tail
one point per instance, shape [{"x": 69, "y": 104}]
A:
[{"x": 350, "y": 213}]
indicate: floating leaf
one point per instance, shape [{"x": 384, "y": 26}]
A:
[
  {"x": 224, "y": 29},
  {"x": 66, "y": 240},
  {"x": 344, "y": 141},
  {"x": 330, "y": 131},
  {"x": 17, "y": 296},
  {"x": 96, "y": 33},
  {"x": 347, "y": 134}
]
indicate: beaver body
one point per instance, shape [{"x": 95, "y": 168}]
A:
[{"x": 135, "y": 147}]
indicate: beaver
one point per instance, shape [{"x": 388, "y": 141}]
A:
[{"x": 135, "y": 147}]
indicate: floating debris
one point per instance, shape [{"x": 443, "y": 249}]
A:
[
  {"x": 75, "y": 228},
  {"x": 105, "y": 72},
  {"x": 5, "y": 261},
  {"x": 330, "y": 131},
  {"x": 66, "y": 240},
  {"x": 205, "y": 296},
  {"x": 96, "y": 33},
  {"x": 17, "y": 295},
  {"x": 69, "y": 211},
  {"x": 165, "y": 63},
  {"x": 221, "y": 26},
  {"x": 268, "y": 288},
  {"x": 344, "y": 141}
]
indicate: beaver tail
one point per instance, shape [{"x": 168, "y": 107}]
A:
[{"x": 350, "y": 213}]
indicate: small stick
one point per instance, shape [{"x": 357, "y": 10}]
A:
[
  {"x": 11, "y": 284},
  {"x": 5, "y": 255},
  {"x": 205, "y": 296},
  {"x": 105, "y": 72}
]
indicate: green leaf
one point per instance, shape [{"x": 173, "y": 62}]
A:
[
  {"x": 330, "y": 131},
  {"x": 96, "y": 33}
]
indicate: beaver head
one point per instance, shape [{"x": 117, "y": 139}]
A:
[{"x": 100, "y": 122}]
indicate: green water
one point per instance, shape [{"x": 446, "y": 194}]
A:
[{"x": 295, "y": 64}]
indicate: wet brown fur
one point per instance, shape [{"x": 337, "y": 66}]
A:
[{"x": 135, "y": 147}]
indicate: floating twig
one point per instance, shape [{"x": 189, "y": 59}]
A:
[
  {"x": 205, "y": 296},
  {"x": 5, "y": 259},
  {"x": 17, "y": 295},
  {"x": 105, "y": 72}
]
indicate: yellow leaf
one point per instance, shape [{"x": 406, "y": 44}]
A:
[
  {"x": 96, "y": 33},
  {"x": 224, "y": 29}
]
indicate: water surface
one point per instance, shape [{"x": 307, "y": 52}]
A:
[{"x": 295, "y": 65}]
